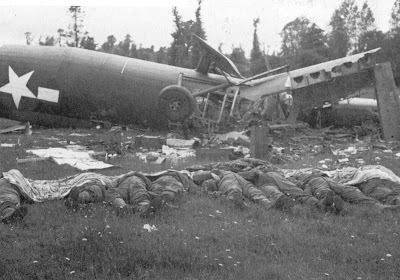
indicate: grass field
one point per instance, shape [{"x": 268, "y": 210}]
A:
[{"x": 203, "y": 238}]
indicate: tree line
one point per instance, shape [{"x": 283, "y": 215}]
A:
[{"x": 352, "y": 30}]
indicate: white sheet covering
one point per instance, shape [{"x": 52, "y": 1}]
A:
[
  {"x": 43, "y": 190},
  {"x": 353, "y": 176},
  {"x": 350, "y": 175},
  {"x": 78, "y": 159}
]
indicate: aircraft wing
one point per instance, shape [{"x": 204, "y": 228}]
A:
[
  {"x": 210, "y": 55},
  {"x": 331, "y": 69},
  {"x": 310, "y": 75},
  {"x": 266, "y": 86}
]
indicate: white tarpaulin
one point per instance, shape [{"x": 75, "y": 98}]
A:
[{"x": 78, "y": 159}]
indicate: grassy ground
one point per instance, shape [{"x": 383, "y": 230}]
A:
[{"x": 203, "y": 238}]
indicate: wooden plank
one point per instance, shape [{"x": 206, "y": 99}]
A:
[{"x": 388, "y": 101}]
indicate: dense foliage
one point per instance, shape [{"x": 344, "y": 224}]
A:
[{"x": 352, "y": 30}]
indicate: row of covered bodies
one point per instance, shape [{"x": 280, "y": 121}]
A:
[
  {"x": 237, "y": 181},
  {"x": 133, "y": 191}
]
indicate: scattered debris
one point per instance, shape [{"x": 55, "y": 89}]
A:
[
  {"x": 160, "y": 160},
  {"x": 179, "y": 153},
  {"x": 234, "y": 138},
  {"x": 7, "y": 145},
  {"x": 149, "y": 142},
  {"x": 24, "y": 128},
  {"x": 80, "y": 134},
  {"x": 288, "y": 126},
  {"x": 149, "y": 228},
  {"x": 213, "y": 154},
  {"x": 182, "y": 143}
]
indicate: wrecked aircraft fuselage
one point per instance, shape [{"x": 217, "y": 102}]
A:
[
  {"x": 52, "y": 84},
  {"x": 82, "y": 84},
  {"x": 346, "y": 113}
]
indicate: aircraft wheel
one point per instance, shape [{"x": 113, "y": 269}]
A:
[{"x": 176, "y": 102}]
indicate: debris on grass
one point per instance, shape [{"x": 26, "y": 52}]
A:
[
  {"x": 149, "y": 228},
  {"x": 7, "y": 145},
  {"x": 24, "y": 128},
  {"x": 33, "y": 159}
]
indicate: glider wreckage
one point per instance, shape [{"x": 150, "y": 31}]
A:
[{"x": 61, "y": 86}]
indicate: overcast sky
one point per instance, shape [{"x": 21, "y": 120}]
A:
[{"x": 149, "y": 22}]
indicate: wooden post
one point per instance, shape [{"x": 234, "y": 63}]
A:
[
  {"x": 278, "y": 106},
  {"x": 205, "y": 106},
  {"x": 234, "y": 102},
  {"x": 295, "y": 110},
  {"x": 388, "y": 101},
  {"x": 259, "y": 142},
  {"x": 222, "y": 108}
]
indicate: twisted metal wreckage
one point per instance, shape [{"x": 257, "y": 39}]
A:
[{"x": 70, "y": 86}]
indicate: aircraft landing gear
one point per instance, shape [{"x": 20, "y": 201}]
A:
[{"x": 176, "y": 102}]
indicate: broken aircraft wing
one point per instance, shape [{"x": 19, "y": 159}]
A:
[
  {"x": 307, "y": 76},
  {"x": 266, "y": 86},
  {"x": 332, "y": 69}
]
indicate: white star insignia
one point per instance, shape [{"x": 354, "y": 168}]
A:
[{"x": 17, "y": 86}]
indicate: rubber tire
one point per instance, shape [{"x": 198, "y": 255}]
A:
[{"x": 176, "y": 102}]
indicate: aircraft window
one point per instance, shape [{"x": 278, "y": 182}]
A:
[{"x": 214, "y": 69}]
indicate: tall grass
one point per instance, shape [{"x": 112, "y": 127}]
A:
[{"x": 203, "y": 238}]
